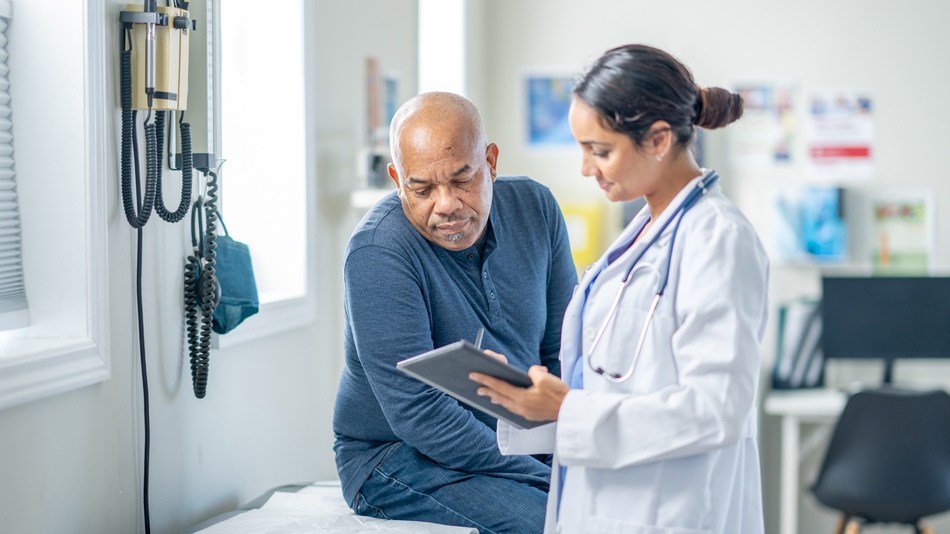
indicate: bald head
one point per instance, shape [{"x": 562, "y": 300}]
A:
[
  {"x": 436, "y": 118},
  {"x": 443, "y": 168}
]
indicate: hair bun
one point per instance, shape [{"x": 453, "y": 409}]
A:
[{"x": 716, "y": 107}]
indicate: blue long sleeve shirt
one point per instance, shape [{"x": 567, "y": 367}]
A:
[{"x": 405, "y": 296}]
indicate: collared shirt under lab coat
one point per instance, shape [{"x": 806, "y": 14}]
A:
[{"x": 673, "y": 449}]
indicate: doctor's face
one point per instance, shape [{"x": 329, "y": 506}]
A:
[
  {"x": 623, "y": 170},
  {"x": 445, "y": 179}
]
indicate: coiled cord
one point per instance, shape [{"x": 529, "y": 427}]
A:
[
  {"x": 191, "y": 319},
  {"x": 138, "y": 208},
  {"x": 129, "y": 145},
  {"x": 154, "y": 135},
  {"x": 186, "y": 171},
  {"x": 202, "y": 291}
]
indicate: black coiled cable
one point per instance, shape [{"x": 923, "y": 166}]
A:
[
  {"x": 202, "y": 292},
  {"x": 138, "y": 208},
  {"x": 154, "y": 135},
  {"x": 186, "y": 171},
  {"x": 137, "y": 220}
]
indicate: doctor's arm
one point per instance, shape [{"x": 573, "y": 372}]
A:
[{"x": 720, "y": 309}]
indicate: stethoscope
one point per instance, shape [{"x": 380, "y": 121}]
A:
[{"x": 698, "y": 191}]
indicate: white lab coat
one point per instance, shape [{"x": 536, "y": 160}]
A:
[{"x": 673, "y": 449}]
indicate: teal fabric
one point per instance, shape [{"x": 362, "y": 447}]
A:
[{"x": 235, "y": 275}]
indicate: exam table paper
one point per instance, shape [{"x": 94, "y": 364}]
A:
[{"x": 317, "y": 509}]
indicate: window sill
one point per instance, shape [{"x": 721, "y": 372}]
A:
[
  {"x": 36, "y": 368},
  {"x": 272, "y": 318}
]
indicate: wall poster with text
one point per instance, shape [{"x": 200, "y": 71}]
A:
[
  {"x": 764, "y": 136},
  {"x": 839, "y": 133},
  {"x": 902, "y": 236}
]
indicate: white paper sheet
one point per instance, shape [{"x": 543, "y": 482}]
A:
[{"x": 315, "y": 509}]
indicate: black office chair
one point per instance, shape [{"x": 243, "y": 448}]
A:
[{"x": 888, "y": 460}]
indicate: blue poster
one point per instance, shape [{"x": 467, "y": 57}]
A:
[
  {"x": 823, "y": 225},
  {"x": 549, "y": 99}
]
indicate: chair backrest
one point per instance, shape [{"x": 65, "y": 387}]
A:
[{"x": 889, "y": 456}]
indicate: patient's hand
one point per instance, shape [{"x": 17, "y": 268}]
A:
[{"x": 495, "y": 355}]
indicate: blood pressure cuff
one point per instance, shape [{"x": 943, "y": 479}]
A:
[{"x": 232, "y": 267}]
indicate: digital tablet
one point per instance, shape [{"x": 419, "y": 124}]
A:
[{"x": 447, "y": 368}]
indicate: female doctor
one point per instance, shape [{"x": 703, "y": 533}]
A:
[{"x": 655, "y": 426}]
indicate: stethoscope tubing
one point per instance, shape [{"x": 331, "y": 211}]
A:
[{"x": 698, "y": 192}]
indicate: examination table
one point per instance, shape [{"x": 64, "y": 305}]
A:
[{"x": 310, "y": 508}]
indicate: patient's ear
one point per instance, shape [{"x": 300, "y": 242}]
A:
[
  {"x": 393, "y": 174},
  {"x": 491, "y": 156}
]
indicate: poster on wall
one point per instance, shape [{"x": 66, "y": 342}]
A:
[
  {"x": 585, "y": 229},
  {"x": 902, "y": 235},
  {"x": 810, "y": 225},
  {"x": 548, "y": 99},
  {"x": 839, "y": 134},
  {"x": 764, "y": 136}
]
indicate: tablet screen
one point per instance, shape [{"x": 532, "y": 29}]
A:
[{"x": 447, "y": 369}]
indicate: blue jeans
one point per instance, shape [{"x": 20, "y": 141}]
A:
[{"x": 409, "y": 486}]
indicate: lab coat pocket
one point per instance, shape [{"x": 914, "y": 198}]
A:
[{"x": 603, "y": 525}]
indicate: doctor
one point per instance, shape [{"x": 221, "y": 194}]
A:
[{"x": 655, "y": 420}]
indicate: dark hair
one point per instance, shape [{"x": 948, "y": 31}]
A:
[{"x": 633, "y": 86}]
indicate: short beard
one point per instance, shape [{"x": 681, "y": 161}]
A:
[{"x": 451, "y": 238}]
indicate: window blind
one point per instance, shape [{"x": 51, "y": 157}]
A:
[{"x": 14, "y": 312}]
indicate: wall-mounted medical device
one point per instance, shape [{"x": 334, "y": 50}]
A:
[
  {"x": 162, "y": 49},
  {"x": 160, "y": 66},
  {"x": 167, "y": 63}
]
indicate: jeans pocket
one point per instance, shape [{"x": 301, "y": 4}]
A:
[
  {"x": 361, "y": 507},
  {"x": 389, "y": 453}
]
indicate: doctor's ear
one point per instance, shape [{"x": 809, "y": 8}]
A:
[{"x": 660, "y": 139}]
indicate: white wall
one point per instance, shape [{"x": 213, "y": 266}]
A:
[
  {"x": 346, "y": 33},
  {"x": 72, "y": 463},
  {"x": 897, "y": 52}
]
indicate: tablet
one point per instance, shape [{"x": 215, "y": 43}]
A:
[{"x": 447, "y": 368}]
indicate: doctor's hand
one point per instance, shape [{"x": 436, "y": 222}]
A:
[{"x": 539, "y": 402}]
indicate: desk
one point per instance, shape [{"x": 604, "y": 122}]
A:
[{"x": 796, "y": 408}]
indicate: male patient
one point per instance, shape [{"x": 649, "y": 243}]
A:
[{"x": 455, "y": 248}]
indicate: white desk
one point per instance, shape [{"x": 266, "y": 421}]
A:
[{"x": 796, "y": 408}]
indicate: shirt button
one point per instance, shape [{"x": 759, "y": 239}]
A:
[
  {"x": 492, "y": 294},
  {"x": 589, "y": 331},
  {"x": 471, "y": 256},
  {"x": 484, "y": 274}
]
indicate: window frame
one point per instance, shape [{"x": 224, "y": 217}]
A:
[
  {"x": 300, "y": 311},
  {"x": 38, "y": 367}
]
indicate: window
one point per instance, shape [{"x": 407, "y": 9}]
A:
[
  {"x": 442, "y": 46},
  {"x": 13, "y": 307},
  {"x": 265, "y": 199},
  {"x": 62, "y": 199}
]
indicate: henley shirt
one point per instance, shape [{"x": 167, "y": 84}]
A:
[{"x": 404, "y": 295}]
